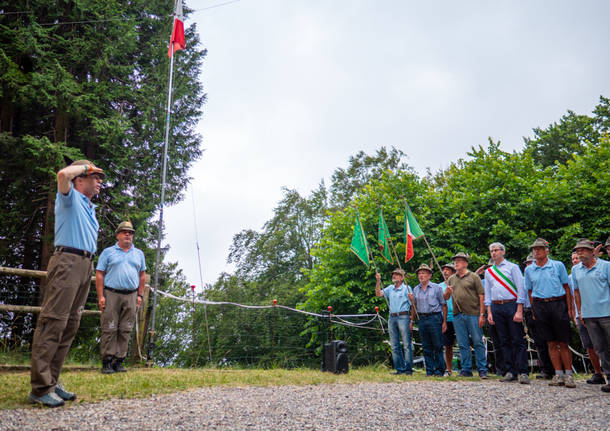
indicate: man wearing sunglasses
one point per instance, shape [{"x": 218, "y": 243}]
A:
[{"x": 119, "y": 279}]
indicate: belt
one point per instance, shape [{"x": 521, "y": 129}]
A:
[
  {"x": 428, "y": 314},
  {"x": 551, "y": 299},
  {"x": 503, "y": 301},
  {"x": 121, "y": 291},
  {"x": 402, "y": 313},
  {"x": 76, "y": 251}
]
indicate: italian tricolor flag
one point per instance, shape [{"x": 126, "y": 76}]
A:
[
  {"x": 177, "y": 41},
  {"x": 412, "y": 231}
]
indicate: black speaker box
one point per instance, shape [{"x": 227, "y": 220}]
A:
[{"x": 335, "y": 357}]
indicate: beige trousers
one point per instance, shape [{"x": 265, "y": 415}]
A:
[{"x": 117, "y": 322}]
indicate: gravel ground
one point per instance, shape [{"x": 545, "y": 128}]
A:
[{"x": 429, "y": 405}]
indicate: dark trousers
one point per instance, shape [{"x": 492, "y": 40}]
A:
[
  {"x": 498, "y": 354},
  {"x": 430, "y": 332},
  {"x": 599, "y": 331},
  {"x": 541, "y": 346},
  {"x": 512, "y": 341}
]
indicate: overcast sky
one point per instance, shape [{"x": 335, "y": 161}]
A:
[{"x": 296, "y": 87}]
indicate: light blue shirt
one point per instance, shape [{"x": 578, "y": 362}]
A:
[
  {"x": 546, "y": 281},
  {"x": 398, "y": 297},
  {"x": 122, "y": 269},
  {"x": 429, "y": 301},
  {"x": 594, "y": 287},
  {"x": 75, "y": 223},
  {"x": 449, "y": 303},
  {"x": 495, "y": 291}
]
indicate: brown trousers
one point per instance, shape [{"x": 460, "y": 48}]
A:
[
  {"x": 117, "y": 322},
  {"x": 64, "y": 297}
]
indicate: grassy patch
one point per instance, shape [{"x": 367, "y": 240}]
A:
[{"x": 92, "y": 386}]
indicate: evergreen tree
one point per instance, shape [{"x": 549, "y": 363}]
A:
[{"x": 88, "y": 79}]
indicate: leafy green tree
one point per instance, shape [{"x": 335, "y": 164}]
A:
[
  {"x": 283, "y": 248},
  {"x": 347, "y": 183},
  {"x": 559, "y": 142}
]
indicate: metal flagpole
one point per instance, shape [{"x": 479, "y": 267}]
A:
[{"x": 151, "y": 331}]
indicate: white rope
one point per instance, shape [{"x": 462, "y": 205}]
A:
[
  {"x": 354, "y": 325},
  {"x": 258, "y": 307},
  {"x": 357, "y": 324}
]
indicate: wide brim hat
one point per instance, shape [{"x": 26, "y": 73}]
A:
[
  {"x": 540, "y": 242},
  {"x": 607, "y": 242},
  {"x": 450, "y": 266},
  {"x": 462, "y": 255},
  {"x": 87, "y": 163},
  {"x": 399, "y": 271},
  {"x": 125, "y": 225},
  {"x": 423, "y": 267},
  {"x": 583, "y": 243},
  {"x": 529, "y": 258}
]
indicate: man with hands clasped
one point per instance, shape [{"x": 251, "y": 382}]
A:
[
  {"x": 119, "y": 279},
  {"x": 504, "y": 299}
]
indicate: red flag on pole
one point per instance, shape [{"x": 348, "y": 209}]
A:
[{"x": 177, "y": 40}]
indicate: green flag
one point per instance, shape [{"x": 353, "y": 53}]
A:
[
  {"x": 383, "y": 239},
  {"x": 414, "y": 228},
  {"x": 359, "y": 246},
  {"x": 412, "y": 231}
]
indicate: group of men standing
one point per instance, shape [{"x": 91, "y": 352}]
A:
[
  {"x": 505, "y": 299},
  {"x": 120, "y": 276}
]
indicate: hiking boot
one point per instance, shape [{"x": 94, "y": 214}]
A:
[
  {"x": 63, "y": 394},
  {"x": 117, "y": 365},
  {"x": 557, "y": 380},
  {"x": 568, "y": 381},
  {"x": 544, "y": 376},
  {"x": 524, "y": 379},
  {"x": 465, "y": 374},
  {"x": 107, "y": 365},
  {"x": 508, "y": 377},
  {"x": 596, "y": 379},
  {"x": 48, "y": 400},
  {"x": 483, "y": 375},
  {"x": 605, "y": 388}
]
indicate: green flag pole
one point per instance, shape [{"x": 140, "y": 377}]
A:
[
  {"x": 369, "y": 255},
  {"x": 383, "y": 235}
]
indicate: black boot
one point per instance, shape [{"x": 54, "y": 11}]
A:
[
  {"x": 117, "y": 365},
  {"x": 107, "y": 365}
]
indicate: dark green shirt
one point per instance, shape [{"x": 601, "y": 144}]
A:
[{"x": 466, "y": 291}]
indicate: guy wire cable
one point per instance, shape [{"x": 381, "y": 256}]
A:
[{"x": 205, "y": 308}]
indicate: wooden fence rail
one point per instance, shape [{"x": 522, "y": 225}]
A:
[{"x": 142, "y": 317}]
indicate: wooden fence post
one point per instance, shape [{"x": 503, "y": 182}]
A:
[{"x": 138, "y": 337}]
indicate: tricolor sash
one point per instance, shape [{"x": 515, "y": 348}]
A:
[{"x": 495, "y": 272}]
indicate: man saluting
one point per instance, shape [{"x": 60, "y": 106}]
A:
[
  {"x": 68, "y": 279},
  {"x": 400, "y": 324}
]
